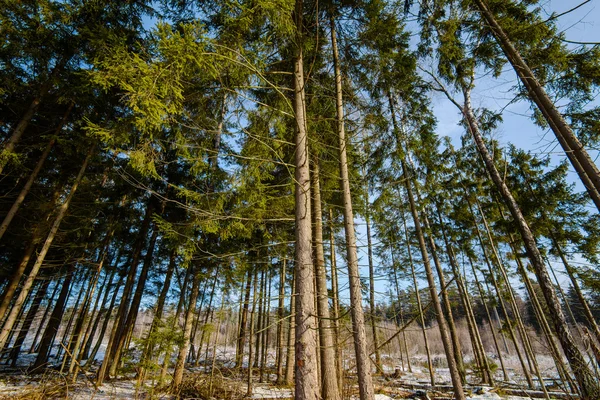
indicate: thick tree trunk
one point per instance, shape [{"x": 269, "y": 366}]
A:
[
  {"x": 307, "y": 383},
  {"x": 363, "y": 367},
  {"x": 589, "y": 386},
  {"x": 329, "y": 383},
  {"x": 16, "y": 307}
]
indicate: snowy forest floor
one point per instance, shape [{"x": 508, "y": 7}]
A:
[{"x": 228, "y": 383}]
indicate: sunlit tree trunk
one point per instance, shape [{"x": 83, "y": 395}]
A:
[{"x": 365, "y": 381}]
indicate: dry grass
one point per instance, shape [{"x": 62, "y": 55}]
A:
[{"x": 202, "y": 387}]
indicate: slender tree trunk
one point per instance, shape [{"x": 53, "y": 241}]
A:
[
  {"x": 329, "y": 383},
  {"x": 160, "y": 304},
  {"x": 448, "y": 348},
  {"x": 241, "y": 341},
  {"x": 496, "y": 286},
  {"x": 92, "y": 325},
  {"x": 31, "y": 313},
  {"x": 119, "y": 322},
  {"x": 36, "y": 170},
  {"x": 38, "y": 332},
  {"x": 135, "y": 303},
  {"x": 454, "y": 373},
  {"x": 280, "y": 315},
  {"x": 589, "y": 386},
  {"x": 401, "y": 314},
  {"x": 11, "y": 287},
  {"x": 187, "y": 334},
  {"x": 16, "y": 307},
  {"x": 575, "y": 283},
  {"x": 336, "y": 306},
  {"x": 16, "y": 134},
  {"x": 458, "y": 356},
  {"x": 251, "y": 339},
  {"x": 53, "y": 324},
  {"x": 580, "y": 159},
  {"x": 478, "y": 348},
  {"x": 289, "y": 361},
  {"x": 107, "y": 315},
  {"x": 365, "y": 381},
  {"x": 520, "y": 324}
]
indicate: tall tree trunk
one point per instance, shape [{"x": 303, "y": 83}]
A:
[
  {"x": 95, "y": 316},
  {"x": 16, "y": 307},
  {"x": 419, "y": 304},
  {"x": 135, "y": 303},
  {"x": 31, "y": 313},
  {"x": 251, "y": 338},
  {"x": 516, "y": 312},
  {"x": 448, "y": 348},
  {"x": 280, "y": 315},
  {"x": 372, "y": 288},
  {"x": 458, "y": 356},
  {"x": 16, "y": 134},
  {"x": 478, "y": 348},
  {"x": 11, "y": 287},
  {"x": 306, "y": 379},
  {"x": 187, "y": 334},
  {"x": 241, "y": 341},
  {"x": 107, "y": 316},
  {"x": 589, "y": 386},
  {"x": 289, "y": 360},
  {"x": 329, "y": 383},
  {"x": 53, "y": 324},
  {"x": 363, "y": 367},
  {"x": 401, "y": 314},
  {"x": 496, "y": 286},
  {"x": 454, "y": 373},
  {"x": 36, "y": 170},
  {"x": 580, "y": 159},
  {"x": 336, "y": 306},
  {"x": 119, "y": 322}
]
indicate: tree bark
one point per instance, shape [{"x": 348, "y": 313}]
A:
[
  {"x": 580, "y": 159},
  {"x": 306, "y": 379},
  {"x": 53, "y": 324},
  {"x": 36, "y": 170},
  {"x": 16, "y": 307},
  {"x": 187, "y": 334},
  {"x": 329, "y": 383},
  {"x": 588, "y": 385},
  {"x": 363, "y": 367}
]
